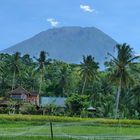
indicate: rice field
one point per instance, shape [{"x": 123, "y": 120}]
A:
[{"x": 38, "y": 130}]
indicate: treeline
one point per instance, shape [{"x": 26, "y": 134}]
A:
[{"x": 114, "y": 92}]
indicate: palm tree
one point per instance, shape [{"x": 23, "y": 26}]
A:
[
  {"x": 136, "y": 99},
  {"x": 14, "y": 64},
  {"x": 41, "y": 67},
  {"x": 88, "y": 70},
  {"x": 3, "y": 78},
  {"x": 28, "y": 78},
  {"x": 63, "y": 80},
  {"x": 121, "y": 69}
]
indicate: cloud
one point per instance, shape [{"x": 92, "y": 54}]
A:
[
  {"x": 137, "y": 54},
  {"x": 53, "y": 22},
  {"x": 87, "y": 8}
]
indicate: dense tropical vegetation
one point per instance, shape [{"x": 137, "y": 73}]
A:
[{"x": 114, "y": 91}]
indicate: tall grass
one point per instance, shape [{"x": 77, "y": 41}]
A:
[{"x": 41, "y": 118}]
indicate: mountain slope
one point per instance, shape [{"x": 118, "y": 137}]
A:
[{"x": 68, "y": 44}]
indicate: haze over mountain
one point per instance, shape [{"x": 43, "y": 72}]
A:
[{"x": 68, "y": 44}]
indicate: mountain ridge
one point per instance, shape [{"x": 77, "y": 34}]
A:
[{"x": 67, "y": 44}]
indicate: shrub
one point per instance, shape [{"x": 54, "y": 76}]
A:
[
  {"x": 28, "y": 109},
  {"x": 76, "y": 103},
  {"x": 44, "y": 118}
]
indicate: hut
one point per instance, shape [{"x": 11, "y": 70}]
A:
[{"x": 25, "y": 96}]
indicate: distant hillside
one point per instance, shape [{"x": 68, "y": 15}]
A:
[{"x": 68, "y": 44}]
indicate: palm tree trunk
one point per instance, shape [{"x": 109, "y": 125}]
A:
[
  {"x": 118, "y": 99},
  {"x": 41, "y": 79},
  {"x": 13, "y": 82},
  {"x": 83, "y": 89},
  {"x": 40, "y": 85},
  {"x": 62, "y": 92}
]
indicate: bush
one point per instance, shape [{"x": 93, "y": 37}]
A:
[
  {"x": 4, "y": 110},
  {"x": 28, "y": 109},
  {"x": 76, "y": 104},
  {"x": 53, "y": 110}
]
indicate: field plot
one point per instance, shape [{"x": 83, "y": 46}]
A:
[{"x": 33, "y": 130}]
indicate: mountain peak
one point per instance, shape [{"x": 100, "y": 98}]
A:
[{"x": 67, "y": 44}]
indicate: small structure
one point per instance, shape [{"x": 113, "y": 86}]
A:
[
  {"x": 19, "y": 94},
  {"x": 91, "y": 111},
  {"x": 57, "y": 101},
  {"x": 53, "y": 104},
  {"x": 4, "y": 102},
  {"x": 33, "y": 98},
  {"x": 25, "y": 96}
]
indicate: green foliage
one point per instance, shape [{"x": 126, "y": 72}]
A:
[
  {"x": 43, "y": 118},
  {"x": 56, "y": 78},
  {"x": 28, "y": 109},
  {"x": 88, "y": 70},
  {"x": 76, "y": 103},
  {"x": 120, "y": 72}
]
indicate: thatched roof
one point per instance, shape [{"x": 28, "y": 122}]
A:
[
  {"x": 4, "y": 101},
  {"x": 34, "y": 93},
  {"x": 19, "y": 90}
]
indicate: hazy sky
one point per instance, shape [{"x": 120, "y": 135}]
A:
[{"x": 21, "y": 19}]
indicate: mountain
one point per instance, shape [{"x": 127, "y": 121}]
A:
[{"x": 68, "y": 44}]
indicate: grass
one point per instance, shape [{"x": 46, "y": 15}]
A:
[
  {"x": 32, "y": 138},
  {"x": 65, "y": 128},
  {"x": 40, "y": 131},
  {"x": 40, "y": 118}
]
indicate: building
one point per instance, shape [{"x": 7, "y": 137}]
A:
[
  {"x": 57, "y": 101},
  {"x": 24, "y": 96},
  {"x": 33, "y": 97},
  {"x": 4, "y": 102}
]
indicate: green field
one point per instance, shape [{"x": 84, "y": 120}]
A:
[
  {"x": 35, "y": 130},
  {"x": 32, "y": 138}
]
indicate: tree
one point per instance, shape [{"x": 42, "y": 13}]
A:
[
  {"x": 4, "y": 83},
  {"x": 88, "y": 70},
  {"x": 104, "y": 98},
  {"x": 121, "y": 69},
  {"x": 64, "y": 79},
  {"x": 27, "y": 60},
  {"x": 28, "y": 78},
  {"x": 14, "y": 63},
  {"x": 41, "y": 68},
  {"x": 76, "y": 103},
  {"x": 136, "y": 99}
]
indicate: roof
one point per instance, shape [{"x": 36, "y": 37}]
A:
[
  {"x": 4, "y": 101},
  {"x": 19, "y": 90},
  {"x": 34, "y": 93},
  {"x": 91, "y": 108},
  {"x": 58, "y": 101}
]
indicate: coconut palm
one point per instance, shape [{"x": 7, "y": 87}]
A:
[
  {"x": 88, "y": 70},
  {"x": 63, "y": 80},
  {"x": 41, "y": 68},
  {"x": 121, "y": 69},
  {"x": 14, "y": 64},
  {"x": 27, "y": 78}
]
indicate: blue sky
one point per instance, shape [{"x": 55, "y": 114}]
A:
[{"x": 21, "y": 19}]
